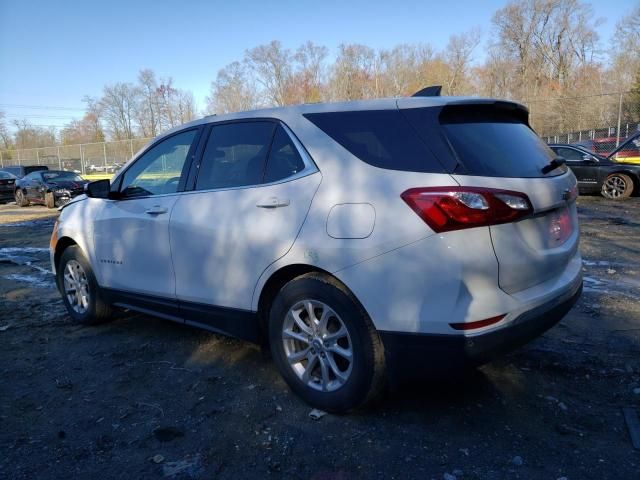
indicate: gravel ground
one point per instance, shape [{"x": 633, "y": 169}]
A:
[{"x": 144, "y": 398}]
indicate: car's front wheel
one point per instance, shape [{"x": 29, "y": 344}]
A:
[
  {"x": 324, "y": 344},
  {"x": 80, "y": 291},
  {"x": 617, "y": 185}
]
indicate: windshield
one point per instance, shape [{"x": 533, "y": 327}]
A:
[
  {"x": 62, "y": 176},
  {"x": 6, "y": 175}
]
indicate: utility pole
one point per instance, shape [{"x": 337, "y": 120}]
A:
[{"x": 619, "y": 118}]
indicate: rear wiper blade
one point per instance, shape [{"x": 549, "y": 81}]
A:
[{"x": 555, "y": 163}]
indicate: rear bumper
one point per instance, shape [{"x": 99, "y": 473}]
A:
[{"x": 430, "y": 353}]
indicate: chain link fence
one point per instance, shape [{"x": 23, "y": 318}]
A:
[
  {"x": 597, "y": 122},
  {"x": 85, "y": 159}
]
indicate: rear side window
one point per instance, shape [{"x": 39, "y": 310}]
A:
[
  {"x": 284, "y": 159},
  {"x": 235, "y": 155},
  {"x": 493, "y": 142},
  {"x": 382, "y": 138}
]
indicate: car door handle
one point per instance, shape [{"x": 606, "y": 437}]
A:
[
  {"x": 155, "y": 210},
  {"x": 273, "y": 202}
]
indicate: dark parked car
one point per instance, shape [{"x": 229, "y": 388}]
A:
[
  {"x": 20, "y": 171},
  {"x": 51, "y": 188},
  {"x": 7, "y": 186},
  {"x": 597, "y": 173}
]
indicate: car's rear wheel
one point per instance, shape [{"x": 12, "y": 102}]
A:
[
  {"x": 617, "y": 185},
  {"x": 324, "y": 344},
  {"x": 80, "y": 291},
  {"x": 21, "y": 199},
  {"x": 49, "y": 200}
]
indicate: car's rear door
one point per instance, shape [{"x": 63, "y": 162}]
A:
[
  {"x": 131, "y": 234},
  {"x": 254, "y": 187}
]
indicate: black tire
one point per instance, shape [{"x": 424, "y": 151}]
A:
[
  {"x": 367, "y": 372},
  {"x": 616, "y": 186},
  {"x": 21, "y": 198},
  {"x": 97, "y": 310},
  {"x": 49, "y": 200}
]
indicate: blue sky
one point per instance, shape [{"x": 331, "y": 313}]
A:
[{"x": 52, "y": 53}]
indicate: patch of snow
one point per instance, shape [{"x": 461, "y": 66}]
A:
[{"x": 31, "y": 279}]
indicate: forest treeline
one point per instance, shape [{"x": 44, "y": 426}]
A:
[{"x": 545, "y": 53}]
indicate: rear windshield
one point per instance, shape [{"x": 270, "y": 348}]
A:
[
  {"x": 493, "y": 142},
  {"x": 382, "y": 138}
]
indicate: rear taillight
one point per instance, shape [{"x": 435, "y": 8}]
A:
[{"x": 453, "y": 208}]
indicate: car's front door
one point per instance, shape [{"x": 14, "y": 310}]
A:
[
  {"x": 131, "y": 234},
  {"x": 254, "y": 188},
  {"x": 586, "y": 171}
]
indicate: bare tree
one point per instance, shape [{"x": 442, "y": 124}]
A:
[
  {"x": 458, "y": 55},
  {"x": 118, "y": 104},
  {"x": 233, "y": 90},
  {"x": 30, "y": 136},
  {"x": 271, "y": 65},
  {"x": 5, "y": 136},
  {"x": 86, "y": 130},
  {"x": 310, "y": 69},
  {"x": 355, "y": 73},
  {"x": 147, "y": 107}
]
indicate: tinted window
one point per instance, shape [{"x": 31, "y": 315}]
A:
[
  {"x": 6, "y": 175},
  {"x": 35, "y": 169},
  {"x": 570, "y": 154},
  {"x": 158, "y": 170},
  {"x": 284, "y": 158},
  {"x": 382, "y": 138},
  {"x": 494, "y": 143},
  {"x": 235, "y": 155},
  {"x": 61, "y": 176},
  {"x": 33, "y": 176}
]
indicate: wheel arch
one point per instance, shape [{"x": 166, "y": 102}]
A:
[
  {"x": 62, "y": 244},
  {"x": 279, "y": 279}
]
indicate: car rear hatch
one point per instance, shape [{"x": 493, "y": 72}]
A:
[{"x": 489, "y": 144}]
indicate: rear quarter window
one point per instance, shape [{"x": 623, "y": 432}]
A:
[{"x": 382, "y": 138}]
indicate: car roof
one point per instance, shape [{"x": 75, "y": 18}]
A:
[{"x": 352, "y": 105}]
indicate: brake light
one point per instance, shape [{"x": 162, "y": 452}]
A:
[
  {"x": 454, "y": 208},
  {"x": 477, "y": 324}
]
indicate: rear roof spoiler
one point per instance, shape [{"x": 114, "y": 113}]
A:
[{"x": 432, "y": 91}]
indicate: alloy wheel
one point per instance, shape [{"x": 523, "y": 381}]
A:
[
  {"x": 317, "y": 345},
  {"x": 76, "y": 287},
  {"x": 614, "y": 187}
]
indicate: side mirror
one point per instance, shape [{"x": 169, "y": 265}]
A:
[
  {"x": 589, "y": 158},
  {"x": 98, "y": 189}
]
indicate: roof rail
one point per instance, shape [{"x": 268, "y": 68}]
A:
[{"x": 432, "y": 91}]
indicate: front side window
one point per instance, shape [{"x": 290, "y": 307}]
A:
[
  {"x": 235, "y": 155},
  {"x": 159, "y": 169},
  {"x": 569, "y": 154}
]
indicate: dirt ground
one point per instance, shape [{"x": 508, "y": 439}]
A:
[{"x": 145, "y": 398}]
